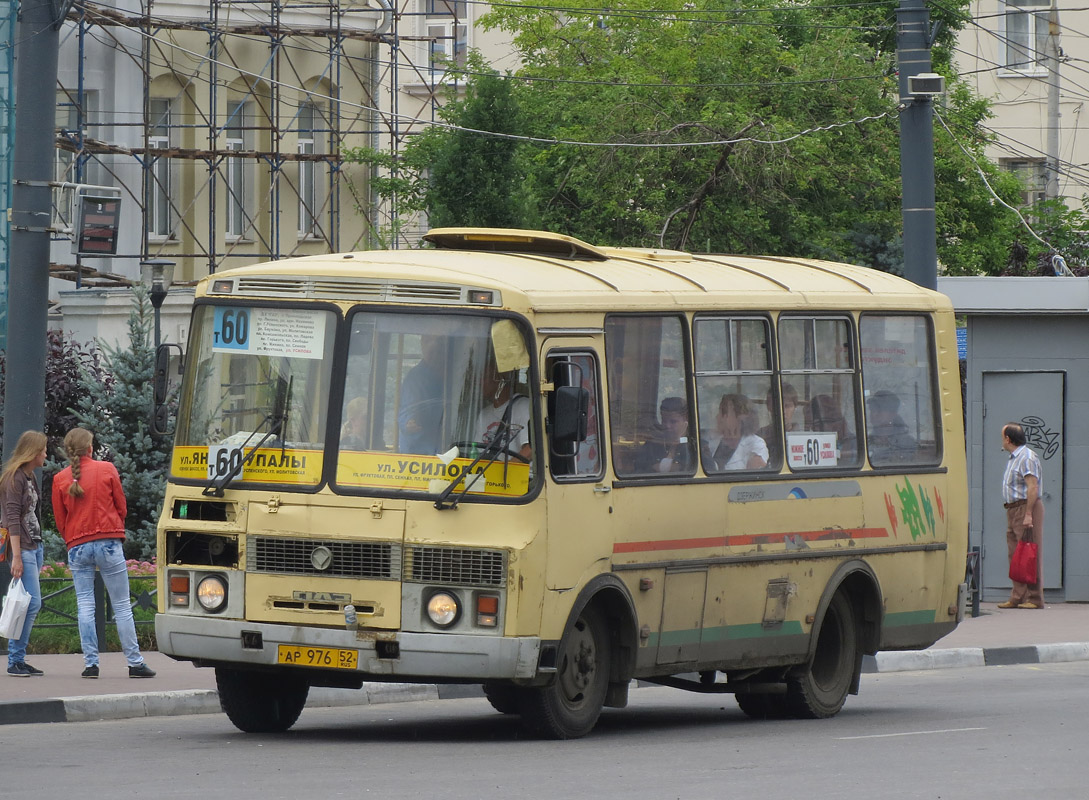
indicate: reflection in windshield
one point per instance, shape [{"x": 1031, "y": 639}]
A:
[
  {"x": 256, "y": 371},
  {"x": 425, "y": 395}
]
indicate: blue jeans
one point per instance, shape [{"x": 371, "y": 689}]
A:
[
  {"x": 109, "y": 557},
  {"x": 32, "y": 570}
]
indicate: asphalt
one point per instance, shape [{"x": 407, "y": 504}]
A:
[{"x": 997, "y": 636}]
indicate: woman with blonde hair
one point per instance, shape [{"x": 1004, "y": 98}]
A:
[
  {"x": 19, "y": 494},
  {"x": 89, "y": 506}
]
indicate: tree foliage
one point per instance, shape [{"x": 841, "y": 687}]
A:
[
  {"x": 760, "y": 128},
  {"x": 117, "y": 412},
  {"x": 459, "y": 177}
]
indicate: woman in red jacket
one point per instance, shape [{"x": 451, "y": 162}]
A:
[{"x": 89, "y": 506}]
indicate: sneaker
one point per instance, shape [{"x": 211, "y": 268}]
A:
[
  {"x": 18, "y": 670},
  {"x": 31, "y": 670},
  {"x": 90, "y": 672},
  {"x": 142, "y": 671},
  {"x": 1028, "y": 605},
  {"x": 1007, "y": 604}
]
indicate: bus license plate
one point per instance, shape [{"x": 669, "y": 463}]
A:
[{"x": 326, "y": 657}]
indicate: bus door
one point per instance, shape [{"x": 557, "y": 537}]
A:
[{"x": 578, "y": 495}]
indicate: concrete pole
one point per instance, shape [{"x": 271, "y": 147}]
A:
[
  {"x": 1051, "y": 58},
  {"x": 916, "y": 148},
  {"x": 36, "y": 48}
]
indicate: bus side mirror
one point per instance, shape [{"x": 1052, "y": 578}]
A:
[
  {"x": 160, "y": 390},
  {"x": 572, "y": 404}
]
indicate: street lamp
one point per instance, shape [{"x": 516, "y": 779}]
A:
[{"x": 157, "y": 274}]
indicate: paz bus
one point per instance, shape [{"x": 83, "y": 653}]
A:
[{"x": 519, "y": 460}]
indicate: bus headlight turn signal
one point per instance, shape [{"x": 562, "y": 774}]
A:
[
  {"x": 442, "y": 609},
  {"x": 212, "y": 593}
]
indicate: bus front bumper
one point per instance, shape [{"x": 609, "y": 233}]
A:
[{"x": 431, "y": 656}]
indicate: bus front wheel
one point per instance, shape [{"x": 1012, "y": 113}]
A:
[
  {"x": 569, "y": 707},
  {"x": 260, "y": 702},
  {"x": 505, "y": 699},
  {"x": 819, "y": 689}
]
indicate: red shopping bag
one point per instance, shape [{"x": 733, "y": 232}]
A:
[{"x": 1023, "y": 563}]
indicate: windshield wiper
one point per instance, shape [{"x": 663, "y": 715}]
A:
[
  {"x": 503, "y": 437},
  {"x": 277, "y": 422}
]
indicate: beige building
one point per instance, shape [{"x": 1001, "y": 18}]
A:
[{"x": 1003, "y": 54}]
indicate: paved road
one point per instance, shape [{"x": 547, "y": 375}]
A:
[
  {"x": 987, "y": 733},
  {"x": 1055, "y": 634}
]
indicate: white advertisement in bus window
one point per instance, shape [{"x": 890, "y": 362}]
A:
[{"x": 812, "y": 449}]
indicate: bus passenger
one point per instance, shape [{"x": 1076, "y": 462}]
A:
[
  {"x": 826, "y": 416},
  {"x": 669, "y": 450},
  {"x": 737, "y": 445},
  {"x": 353, "y": 433},
  {"x": 770, "y": 432},
  {"x": 419, "y": 419},
  {"x": 501, "y": 409},
  {"x": 887, "y": 435}
]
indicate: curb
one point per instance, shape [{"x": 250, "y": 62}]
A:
[
  {"x": 206, "y": 701},
  {"x": 975, "y": 657},
  {"x": 92, "y": 708}
]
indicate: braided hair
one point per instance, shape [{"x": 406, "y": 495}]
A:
[{"x": 77, "y": 443}]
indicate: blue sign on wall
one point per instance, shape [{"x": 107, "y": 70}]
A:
[{"x": 962, "y": 343}]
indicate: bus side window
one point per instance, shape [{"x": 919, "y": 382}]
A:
[
  {"x": 581, "y": 459},
  {"x": 739, "y": 419},
  {"x": 649, "y": 407},
  {"x": 817, "y": 359},
  {"x": 899, "y": 378}
]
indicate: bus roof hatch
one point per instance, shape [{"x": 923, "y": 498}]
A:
[{"x": 513, "y": 241}]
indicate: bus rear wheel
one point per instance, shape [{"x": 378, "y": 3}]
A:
[
  {"x": 261, "y": 702},
  {"x": 819, "y": 689},
  {"x": 569, "y": 707}
]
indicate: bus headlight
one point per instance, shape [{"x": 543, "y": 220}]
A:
[
  {"x": 443, "y": 609},
  {"x": 212, "y": 593}
]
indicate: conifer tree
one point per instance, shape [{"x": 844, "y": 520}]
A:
[{"x": 117, "y": 412}]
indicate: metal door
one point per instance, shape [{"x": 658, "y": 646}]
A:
[{"x": 1036, "y": 400}]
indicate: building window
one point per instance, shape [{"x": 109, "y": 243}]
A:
[
  {"x": 1033, "y": 175},
  {"x": 448, "y": 45},
  {"x": 1026, "y": 34},
  {"x": 447, "y": 33},
  {"x": 157, "y": 215},
  {"x": 312, "y": 128},
  {"x": 237, "y": 171}
]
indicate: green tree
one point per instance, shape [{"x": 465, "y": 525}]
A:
[
  {"x": 117, "y": 411},
  {"x": 459, "y": 177},
  {"x": 755, "y": 129}
]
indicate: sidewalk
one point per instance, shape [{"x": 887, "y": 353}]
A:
[{"x": 998, "y": 636}]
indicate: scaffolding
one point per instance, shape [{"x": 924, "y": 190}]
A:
[{"x": 228, "y": 121}]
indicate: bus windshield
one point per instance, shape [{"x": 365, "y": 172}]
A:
[
  {"x": 426, "y": 395},
  {"x": 259, "y": 376}
]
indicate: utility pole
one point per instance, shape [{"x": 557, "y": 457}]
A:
[
  {"x": 916, "y": 147},
  {"x": 1051, "y": 58},
  {"x": 37, "y": 43}
]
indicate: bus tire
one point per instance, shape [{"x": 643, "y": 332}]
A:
[
  {"x": 261, "y": 702},
  {"x": 763, "y": 706},
  {"x": 819, "y": 689},
  {"x": 505, "y": 699},
  {"x": 569, "y": 707}
]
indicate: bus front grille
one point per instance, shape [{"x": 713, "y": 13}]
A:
[
  {"x": 326, "y": 558},
  {"x": 455, "y": 566}
]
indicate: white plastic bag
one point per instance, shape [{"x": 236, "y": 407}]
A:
[{"x": 13, "y": 616}]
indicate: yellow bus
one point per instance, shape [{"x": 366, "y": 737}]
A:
[{"x": 519, "y": 460}]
